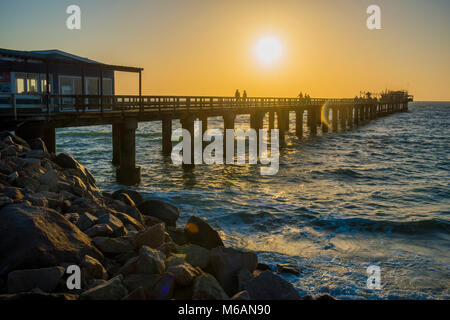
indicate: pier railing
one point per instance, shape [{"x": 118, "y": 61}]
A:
[{"x": 56, "y": 103}]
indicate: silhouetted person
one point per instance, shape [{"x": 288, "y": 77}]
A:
[
  {"x": 237, "y": 95},
  {"x": 300, "y": 96},
  {"x": 244, "y": 95}
]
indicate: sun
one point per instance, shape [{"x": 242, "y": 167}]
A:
[{"x": 268, "y": 50}]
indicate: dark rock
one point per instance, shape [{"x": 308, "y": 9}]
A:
[
  {"x": 136, "y": 294},
  {"x": 226, "y": 262},
  {"x": 199, "y": 232},
  {"x": 99, "y": 230},
  {"x": 324, "y": 297},
  {"x": 287, "y": 268},
  {"x": 152, "y": 237},
  {"x": 150, "y": 261},
  {"x": 45, "y": 279},
  {"x": 243, "y": 276},
  {"x": 177, "y": 235},
  {"x": 38, "y": 144},
  {"x": 206, "y": 287},
  {"x": 39, "y": 296},
  {"x": 115, "y": 224},
  {"x": 241, "y": 295},
  {"x": 184, "y": 274},
  {"x": 128, "y": 220},
  {"x": 160, "y": 209},
  {"x": 163, "y": 289},
  {"x": 110, "y": 290},
  {"x": 92, "y": 268},
  {"x": 146, "y": 281},
  {"x": 39, "y": 237},
  {"x": 263, "y": 266},
  {"x": 13, "y": 193},
  {"x": 134, "y": 195},
  {"x": 86, "y": 221},
  {"x": 269, "y": 286},
  {"x": 198, "y": 256},
  {"x": 112, "y": 245},
  {"x": 66, "y": 161},
  {"x": 126, "y": 199}
]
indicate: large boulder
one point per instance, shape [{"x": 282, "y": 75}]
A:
[
  {"x": 160, "y": 209},
  {"x": 45, "y": 279},
  {"x": 184, "y": 274},
  {"x": 152, "y": 237},
  {"x": 134, "y": 195},
  {"x": 269, "y": 286},
  {"x": 68, "y": 162},
  {"x": 206, "y": 287},
  {"x": 110, "y": 290},
  {"x": 112, "y": 245},
  {"x": 37, "y": 237},
  {"x": 225, "y": 264},
  {"x": 197, "y": 256},
  {"x": 150, "y": 261},
  {"x": 93, "y": 269},
  {"x": 199, "y": 232}
]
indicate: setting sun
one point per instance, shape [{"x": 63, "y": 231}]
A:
[{"x": 268, "y": 50}]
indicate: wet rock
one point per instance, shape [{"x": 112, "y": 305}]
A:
[
  {"x": 206, "y": 287},
  {"x": 99, "y": 230},
  {"x": 241, "y": 295},
  {"x": 163, "y": 289},
  {"x": 199, "y": 232},
  {"x": 92, "y": 268},
  {"x": 112, "y": 245},
  {"x": 45, "y": 279},
  {"x": 226, "y": 262},
  {"x": 184, "y": 274},
  {"x": 269, "y": 286},
  {"x": 136, "y": 294},
  {"x": 161, "y": 210},
  {"x": 134, "y": 195},
  {"x": 198, "y": 256},
  {"x": 86, "y": 221},
  {"x": 110, "y": 290},
  {"x": 150, "y": 261},
  {"x": 287, "y": 268},
  {"x": 39, "y": 237},
  {"x": 152, "y": 237}
]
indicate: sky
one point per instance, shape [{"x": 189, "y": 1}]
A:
[{"x": 207, "y": 47}]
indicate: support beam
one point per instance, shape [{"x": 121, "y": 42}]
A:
[
  {"x": 38, "y": 129},
  {"x": 116, "y": 144},
  {"x": 187, "y": 123},
  {"x": 228, "y": 123},
  {"x": 324, "y": 117},
  {"x": 312, "y": 122},
  {"x": 335, "y": 118},
  {"x": 271, "y": 120},
  {"x": 166, "y": 136},
  {"x": 49, "y": 137},
  {"x": 128, "y": 173},
  {"x": 343, "y": 117},
  {"x": 299, "y": 123}
]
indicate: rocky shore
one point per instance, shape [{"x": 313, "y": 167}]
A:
[{"x": 53, "y": 217}]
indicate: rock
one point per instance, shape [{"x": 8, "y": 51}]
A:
[
  {"x": 199, "y": 232},
  {"x": 39, "y": 237},
  {"x": 46, "y": 279},
  {"x": 125, "y": 199},
  {"x": 152, "y": 237},
  {"x": 13, "y": 193},
  {"x": 50, "y": 179},
  {"x": 129, "y": 267},
  {"x": 269, "y": 286},
  {"x": 160, "y": 209},
  {"x": 136, "y": 294},
  {"x": 198, "y": 256},
  {"x": 263, "y": 266},
  {"x": 128, "y": 220},
  {"x": 36, "y": 200},
  {"x": 167, "y": 248},
  {"x": 110, "y": 290},
  {"x": 92, "y": 268},
  {"x": 287, "y": 268},
  {"x": 226, "y": 262},
  {"x": 206, "y": 287},
  {"x": 38, "y": 144},
  {"x": 66, "y": 161},
  {"x": 115, "y": 224},
  {"x": 163, "y": 289},
  {"x": 184, "y": 274},
  {"x": 112, "y": 245},
  {"x": 241, "y": 295},
  {"x": 99, "y": 230},
  {"x": 134, "y": 195},
  {"x": 174, "y": 260},
  {"x": 4, "y": 201},
  {"x": 324, "y": 297},
  {"x": 39, "y": 296},
  {"x": 78, "y": 187},
  {"x": 177, "y": 235},
  {"x": 86, "y": 221},
  {"x": 243, "y": 276},
  {"x": 150, "y": 261},
  {"x": 146, "y": 281},
  {"x": 12, "y": 177}
]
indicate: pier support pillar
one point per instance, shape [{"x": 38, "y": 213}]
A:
[
  {"x": 299, "y": 123},
  {"x": 38, "y": 129},
  {"x": 128, "y": 173},
  {"x": 228, "y": 123},
  {"x": 166, "y": 136},
  {"x": 271, "y": 120},
  {"x": 335, "y": 118},
  {"x": 324, "y": 117},
  {"x": 49, "y": 137},
  {"x": 116, "y": 144},
  {"x": 187, "y": 123},
  {"x": 356, "y": 114},
  {"x": 312, "y": 122},
  {"x": 343, "y": 117},
  {"x": 282, "y": 119},
  {"x": 350, "y": 116}
]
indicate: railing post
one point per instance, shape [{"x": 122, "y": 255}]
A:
[{"x": 13, "y": 104}]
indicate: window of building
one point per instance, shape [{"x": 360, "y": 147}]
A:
[
  {"x": 32, "y": 83},
  {"x": 107, "y": 86},
  {"x": 43, "y": 78},
  {"x": 21, "y": 79}
]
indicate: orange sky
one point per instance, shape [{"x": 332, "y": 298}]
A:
[{"x": 199, "y": 47}]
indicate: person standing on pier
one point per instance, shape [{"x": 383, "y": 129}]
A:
[
  {"x": 237, "y": 95},
  {"x": 244, "y": 96}
]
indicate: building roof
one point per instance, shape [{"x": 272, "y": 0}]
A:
[{"x": 61, "y": 57}]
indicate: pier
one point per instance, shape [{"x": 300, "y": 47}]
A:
[{"x": 124, "y": 113}]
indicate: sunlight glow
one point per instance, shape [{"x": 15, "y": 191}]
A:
[{"x": 268, "y": 50}]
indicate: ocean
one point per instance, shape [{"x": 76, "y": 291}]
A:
[{"x": 377, "y": 195}]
